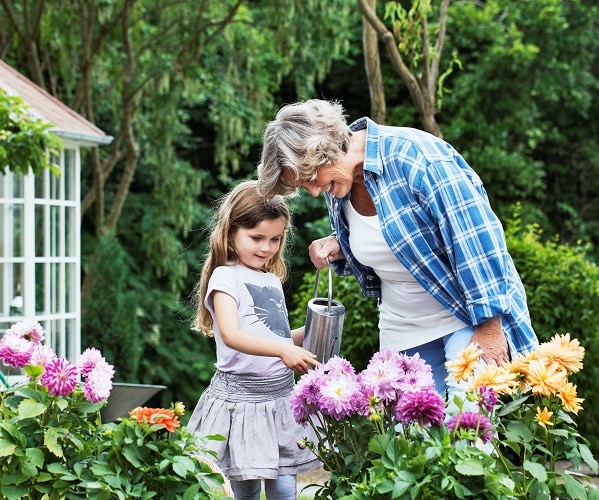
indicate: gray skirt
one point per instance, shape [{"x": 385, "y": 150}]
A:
[{"x": 254, "y": 416}]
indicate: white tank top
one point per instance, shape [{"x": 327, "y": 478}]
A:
[{"x": 409, "y": 315}]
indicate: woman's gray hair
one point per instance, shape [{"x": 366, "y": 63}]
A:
[{"x": 303, "y": 137}]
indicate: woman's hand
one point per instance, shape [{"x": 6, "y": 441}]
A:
[
  {"x": 323, "y": 249},
  {"x": 491, "y": 339}
]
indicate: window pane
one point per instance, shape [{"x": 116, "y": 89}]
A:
[
  {"x": 18, "y": 232},
  {"x": 68, "y": 173},
  {"x": 54, "y": 287},
  {"x": 70, "y": 339},
  {"x": 40, "y": 288},
  {"x": 54, "y": 187},
  {"x": 55, "y": 231},
  {"x": 16, "y": 301},
  {"x": 70, "y": 290},
  {"x": 40, "y": 230},
  {"x": 18, "y": 186},
  {"x": 40, "y": 184},
  {"x": 70, "y": 231}
]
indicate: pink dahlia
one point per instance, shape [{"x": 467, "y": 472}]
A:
[
  {"x": 60, "y": 377},
  {"x": 383, "y": 376},
  {"x": 89, "y": 359},
  {"x": 98, "y": 385},
  {"x": 29, "y": 330},
  {"x": 418, "y": 378},
  {"x": 422, "y": 407},
  {"x": 473, "y": 421},
  {"x": 41, "y": 355},
  {"x": 339, "y": 396},
  {"x": 338, "y": 366},
  {"x": 15, "y": 350}
]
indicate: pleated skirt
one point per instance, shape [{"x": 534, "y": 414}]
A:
[{"x": 254, "y": 416}]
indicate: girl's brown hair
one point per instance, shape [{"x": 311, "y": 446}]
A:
[{"x": 243, "y": 207}]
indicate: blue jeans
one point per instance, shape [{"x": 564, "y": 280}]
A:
[
  {"x": 281, "y": 488},
  {"x": 437, "y": 352}
]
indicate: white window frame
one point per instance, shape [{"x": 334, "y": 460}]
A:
[{"x": 61, "y": 314}]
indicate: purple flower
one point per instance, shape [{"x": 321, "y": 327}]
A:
[
  {"x": 98, "y": 385},
  {"x": 338, "y": 366},
  {"x": 422, "y": 407},
  {"x": 477, "y": 422},
  {"x": 339, "y": 396},
  {"x": 383, "y": 375},
  {"x": 60, "y": 377},
  {"x": 29, "y": 330},
  {"x": 487, "y": 398},
  {"x": 418, "y": 378},
  {"x": 305, "y": 395},
  {"x": 15, "y": 350}
]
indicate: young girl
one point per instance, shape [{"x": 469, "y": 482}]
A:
[{"x": 241, "y": 302}]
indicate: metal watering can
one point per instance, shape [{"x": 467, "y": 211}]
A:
[{"x": 324, "y": 323}]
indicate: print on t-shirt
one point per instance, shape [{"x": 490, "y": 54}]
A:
[{"x": 269, "y": 307}]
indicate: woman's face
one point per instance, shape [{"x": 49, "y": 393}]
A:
[{"x": 336, "y": 179}]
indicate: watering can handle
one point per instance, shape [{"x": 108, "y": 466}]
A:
[{"x": 330, "y": 298}]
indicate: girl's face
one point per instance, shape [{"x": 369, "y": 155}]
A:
[{"x": 256, "y": 246}]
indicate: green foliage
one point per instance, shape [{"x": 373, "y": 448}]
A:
[
  {"x": 562, "y": 288},
  {"x": 521, "y": 108},
  {"x": 111, "y": 315},
  {"x": 27, "y": 144},
  {"x": 54, "y": 447}
]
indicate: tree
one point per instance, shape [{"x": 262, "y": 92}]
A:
[
  {"x": 414, "y": 57},
  {"x": 184, "y": 88}
]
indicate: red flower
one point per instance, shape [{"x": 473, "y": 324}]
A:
[{"x": 151, "y": 416}]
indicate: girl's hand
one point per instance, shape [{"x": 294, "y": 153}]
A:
[{"x": 298, "y": 359}]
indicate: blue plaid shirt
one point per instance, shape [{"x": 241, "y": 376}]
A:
[{"x": 437, "y": 220}]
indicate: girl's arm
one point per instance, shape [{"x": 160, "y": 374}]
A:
[
  {"x": 294, "y": 357},
  {"x": 298, "y": 335}
]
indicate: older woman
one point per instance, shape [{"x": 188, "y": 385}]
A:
[{"x": 412, "y": 223}]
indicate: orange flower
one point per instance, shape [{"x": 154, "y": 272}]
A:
[
  {"x": 498, "y": 378},
  {"x": 567, "y": 393},
  {"x": 152, "y": 416},
  {"x": 544, "y": 417},
  {"x": 568, "y": 353},
  {"x": 519, "y": 367},
  {"x": 545, "y": 378},
  {"x": 463, "y": 366}
]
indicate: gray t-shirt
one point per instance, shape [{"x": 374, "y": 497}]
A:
[{"x": 262, "y": 311}]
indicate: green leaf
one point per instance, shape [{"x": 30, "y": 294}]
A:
[
  {"x": 182, "y": 465},
  {"x": 538, "y": 471},
  {"x": 574, "y": 488},
  {"x": 30, "y": 409},
  {"x": 6, "y": 448},
  {"x": 35, "y": 456},
  {"x": 470, "y": 467},
  {"x": 51, "y": 441}
]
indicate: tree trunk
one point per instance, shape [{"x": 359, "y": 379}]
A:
[{"x": 372, "y": 64}]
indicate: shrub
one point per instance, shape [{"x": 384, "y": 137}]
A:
[{"x": 563, "y": 292}]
